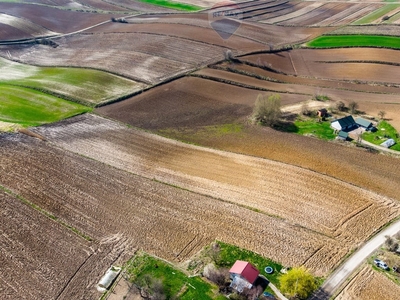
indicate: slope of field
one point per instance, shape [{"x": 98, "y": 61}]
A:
[
  {"x": 189, "y": 101},
  {"x": 369, "y": 284},
  {"x": 38, "y": 255},
  {"x": 31, "y": 108},
  {"x": 27, "y": 27},
  {"x": 82, "y": 85},
  {"x": 54, "y": 19},
  {"x": 100, "y": 200},
  {"x": 340, "y": 211}
]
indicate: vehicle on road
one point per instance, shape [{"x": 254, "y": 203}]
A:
[{"x": 381, "y": 264}]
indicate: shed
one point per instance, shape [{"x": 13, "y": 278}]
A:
[
  {"x": 108, "y": 278},
  {"x": 364, "y": 123},
  {"x": 388, "y": 143},
  {"x": 244, "y": 270},
  {"x": 343, "y": 135},
  {"x": 345, "y": 123}
]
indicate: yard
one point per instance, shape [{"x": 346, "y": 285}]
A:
[{"x": 385, "y": 131}]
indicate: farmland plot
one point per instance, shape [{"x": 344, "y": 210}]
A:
[
  {"x": 335, "y": 209},
  {"x": 24, "y": 25},
  {"x": 54, "y": 19},
  {"x": 101, "y": 201},
  {"x": 32, "y": 241},
  {"x": 82, "y": 85},
  {"x": 369, "y": 284},
  {"x": 144, "y": 57}
]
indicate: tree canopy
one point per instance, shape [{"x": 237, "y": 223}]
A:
[{"x": 297, "y": 283}]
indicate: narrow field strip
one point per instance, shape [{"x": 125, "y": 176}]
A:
[{"x": 339, "y": 41}]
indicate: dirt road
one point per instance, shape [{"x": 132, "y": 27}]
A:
[{"x": 345, "y": 270}]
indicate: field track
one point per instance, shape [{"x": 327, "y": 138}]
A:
[{"x": 255, "y": 183}]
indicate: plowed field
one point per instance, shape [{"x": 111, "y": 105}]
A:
[
  {"x": 338, "y": 211},
  {"x": 54, "y": 19},
  {"x": 369, "y": 285},
  {"x": 100, "y": 200}
]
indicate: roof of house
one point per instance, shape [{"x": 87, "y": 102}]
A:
[
  {"x": 364, "y": 123},
  {"x": 388, "y": 143},
  {"x": 246, "y": 270},
  {"x": 346, "y": 121}
]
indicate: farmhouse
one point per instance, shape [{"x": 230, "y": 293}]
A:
[
  {"x": 367, "y": 125},
  {"x": 344, "y": 124},
  {"x": 243, "y": 275}
]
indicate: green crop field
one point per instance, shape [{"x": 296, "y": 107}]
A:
[
  {"x": 173, "y": 5},
  {"x": 379, "y": 13},
  {"x": 32, "y": 108},
  {"x": 338, "y": 41},
  {"x": 86, "y": 86}
]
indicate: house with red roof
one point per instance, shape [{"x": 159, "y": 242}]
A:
[{"x": 243, "y": 275}]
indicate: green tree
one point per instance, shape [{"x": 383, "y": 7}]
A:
[
  {"x": 267, "y": 109},
  {"x": 297, "y": 283}
]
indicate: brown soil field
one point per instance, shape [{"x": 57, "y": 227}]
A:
[
  {"x": 370, "y": 285},
  {"x": 42, "y": 259},
  {"x": 102, "y": 201},
  {"x": 281, "y": 10},
  {"x": 318, "y": 14},
  {"x": 341, "y": 212},
  {"x": 8, "y": 32},
  {"x": 320, "y": 83},
  {"x": 54, "y": 19},
  {"x": 369, "y": 29},
  {"x": 103, "y": 5},
  {"x": 338, "y": 17},
  {"x": 209, "y": 36},
  {"x": 153, "y": 59}
]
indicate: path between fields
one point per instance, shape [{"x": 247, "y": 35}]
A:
[{"x": 337, "y": 278}]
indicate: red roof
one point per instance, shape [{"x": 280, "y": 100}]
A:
[{"x": 246, "y": 270}]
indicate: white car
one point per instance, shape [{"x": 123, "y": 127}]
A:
[{"x": 381, "y": 264}]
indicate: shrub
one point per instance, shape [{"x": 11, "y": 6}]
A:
[{"x": 267, "y": 109}]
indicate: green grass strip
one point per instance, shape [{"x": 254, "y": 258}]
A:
[
  {"x": 376, "y": 14},
  {"x": 340, "y": 41},
  {"x": 173, "y": 5},
  {"x": 29, "y": 107}
]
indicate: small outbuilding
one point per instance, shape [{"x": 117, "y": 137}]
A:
[
  {"x": 367, "y": 125},
  {"x": 344, "y": 124},
  {"x": 388, "y": 143},
  {"x": 343, "y": 135},
  {"x": 322, "y": 113}
]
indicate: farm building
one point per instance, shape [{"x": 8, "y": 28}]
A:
[
  {"x": 322, "y": 113},
  {"x": 364, "y": 123},
  {"x": 388, "y": 143},
  {"x": 243, "y": 275},
  {"x": 344, "y": 124},
  {"x": 343, "y": 135}
]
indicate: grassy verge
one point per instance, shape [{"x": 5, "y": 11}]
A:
[
  {"x": 81, "y": 85},
  {"x": 376, "y": 14},
  {"x": 385, "y": 131},
  {"x": 229, "y": 254},
  {"x": 32, "y": 108},
  {"x": 175, "y": 283},
  {"x": 173, "y": 5},
  {"x": 338, "y": 41}
]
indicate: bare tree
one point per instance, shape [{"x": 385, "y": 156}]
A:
[
  {"x": 353, "y": 106},
  {"x": 341, "y": 106},
  {"x": 381, "y": 114},
  {"x": 267, "y": 109}
]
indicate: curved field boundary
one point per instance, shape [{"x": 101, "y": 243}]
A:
[
  {"x": 339, "y": 41},
  {"x": 31, "y": 108},
  {"x": 25, "y": 25},
  {"x": 85, "y": 86}
]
